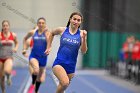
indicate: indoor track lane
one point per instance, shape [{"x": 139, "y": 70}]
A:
[{"x": 81, "y": 83}]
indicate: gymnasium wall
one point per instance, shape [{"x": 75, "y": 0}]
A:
[
  {"x": 102, "y": 46},
  {"x": 23, "y": 14},
  {"x": 108, "y": 23}
]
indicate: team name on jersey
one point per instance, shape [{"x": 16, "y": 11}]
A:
[
  {"x": 7, "y": 43},
  {"x": 43, "y": 38},
  {"x": 71, "y": 40}
]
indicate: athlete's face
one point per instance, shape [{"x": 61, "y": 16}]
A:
[
  {"x": 75, "y": 21},
  {"x": 5, "y": 26},
  {"x": 41, "y": 24}
]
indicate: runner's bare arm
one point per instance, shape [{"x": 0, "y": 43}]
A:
[
  {"x": 29, "y": 34},
  {"x": 16, "y": 43},
  {"x": 83, "y": 41}
]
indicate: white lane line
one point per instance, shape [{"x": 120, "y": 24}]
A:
[
  {"x": 55, "y": 79},
  {"x": 91, "y": 85},
  {"x": 27, "y": 85},
  {"x": 23, "y": 85}
]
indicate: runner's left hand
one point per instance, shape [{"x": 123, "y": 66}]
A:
[{"x": 47, "y": 51}]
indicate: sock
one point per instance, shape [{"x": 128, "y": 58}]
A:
[
  {"x": 34, "y": 77},
  {"x": 37, "y": 86},
  {"x": 7, "y": 75}
]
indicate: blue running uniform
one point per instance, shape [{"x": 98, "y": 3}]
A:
[
  {"x": 38, "y": 49},
  {"x": 68, "y": 51}
]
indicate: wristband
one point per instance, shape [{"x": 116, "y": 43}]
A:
[{"x": 24, "y": 52}]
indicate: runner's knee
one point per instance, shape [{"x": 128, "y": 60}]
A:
[{"x": 65, "y": 84}]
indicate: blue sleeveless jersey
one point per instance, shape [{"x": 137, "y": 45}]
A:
[
  {"x": 69, "y": 47},
  {"x": 39, "y": 44}
]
